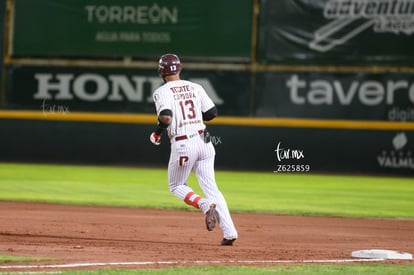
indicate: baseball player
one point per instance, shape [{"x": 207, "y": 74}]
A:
[{"x": 182, "y": 106}]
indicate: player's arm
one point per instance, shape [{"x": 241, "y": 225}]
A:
[
  {"x": 210, "y": 114},
  {"x": 208, "y": 108},
  {"x": 164, "y": 120}
]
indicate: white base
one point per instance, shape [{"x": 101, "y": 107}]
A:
[{"x": 381, "y": 254}]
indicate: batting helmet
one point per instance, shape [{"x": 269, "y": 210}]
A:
[{"x": 169, "y": 64}]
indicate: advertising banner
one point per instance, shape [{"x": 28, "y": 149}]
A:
[
  {"x": 361, "y": 96},
  {"x": 301, "y": 151},
  {"x": 114, "y": 89},
  {"x": 336, "y": 32},
  {"x": 2, "y": 22},
  {"x": 142, "y": 29},
  {"x": 272, "y": 150}
]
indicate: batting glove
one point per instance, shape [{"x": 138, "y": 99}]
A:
[{"x": 155, "y": 139}]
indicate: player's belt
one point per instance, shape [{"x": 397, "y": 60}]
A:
[{"x": 187, "y": 137}]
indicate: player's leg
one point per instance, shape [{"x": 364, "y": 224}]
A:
[
  {"x": 182, "y": 159},
  {"x": 204, "y": 170}
]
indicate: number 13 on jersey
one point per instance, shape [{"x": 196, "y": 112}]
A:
[{"x": 187, "y": 109}]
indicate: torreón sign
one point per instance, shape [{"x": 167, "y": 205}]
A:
[
  {"x": 92, "y": 87},
  {"x": 154, "y": 14},
  {"x": 108, "y": 28}
]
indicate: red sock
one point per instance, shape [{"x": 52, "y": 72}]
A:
[{"x": 192, "y": 199}]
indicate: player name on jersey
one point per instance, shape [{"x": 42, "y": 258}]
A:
[{"x": 182, "y": 92}]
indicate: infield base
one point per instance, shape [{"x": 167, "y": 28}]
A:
[{"x": 381, "y": 254}]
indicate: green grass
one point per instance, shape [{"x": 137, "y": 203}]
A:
[
  {"x": 11, "y": 259},
  {"x": 377, "y": 269},
  {"x": 296, "y": 194}
]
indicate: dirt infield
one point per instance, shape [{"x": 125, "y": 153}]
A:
[{"x": 155, "y": 238}]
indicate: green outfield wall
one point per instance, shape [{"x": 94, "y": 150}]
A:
[
  {"x": 335, "y": 32},
  {"x": 268, "y": 149},
  {"x": 2, "y": 29},
  {"x": 330, "y": 80}
]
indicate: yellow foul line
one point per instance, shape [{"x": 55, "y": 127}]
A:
[{"x": 223, "y": 120}]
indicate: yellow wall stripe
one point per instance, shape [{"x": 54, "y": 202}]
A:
[
  {"x": 316, "y": 123},
  {"x": 80, "y": 116},
  {"x": 221, "y": 120}
]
